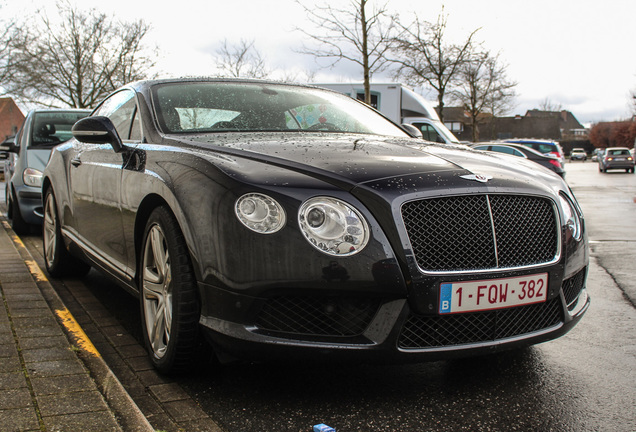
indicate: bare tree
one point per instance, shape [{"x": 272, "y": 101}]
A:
[
  {"x": 76, "y": 60},
  {"x": 9, "y": 34},
  {"x": 482, "y": 87},
  {"x": 354, "y": 32},
  {"x": 241, "y": 60},
  {"x": 548, "y": 105},
  {"x": 426, "y": 58}
]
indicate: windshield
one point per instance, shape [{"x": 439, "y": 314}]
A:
[
  {"x": 203, "y": 107},
  {"x": 51, "y": 128}
]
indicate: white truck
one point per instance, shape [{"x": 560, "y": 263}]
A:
[{"x": 402, "y": 105}]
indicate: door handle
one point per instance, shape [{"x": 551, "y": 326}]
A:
[{"x": 76, "y": 162}]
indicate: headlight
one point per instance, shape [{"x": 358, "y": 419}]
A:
[
  {"x": 32, "y": 177},
  {"x": 572, "y": 217},
  {"x": 260, "y": 213},
  {"x": 333, "y": 226}
]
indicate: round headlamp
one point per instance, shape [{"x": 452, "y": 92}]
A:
[
  {"x": 333, "y": 226},
  {"x": 260, "y": 213}
]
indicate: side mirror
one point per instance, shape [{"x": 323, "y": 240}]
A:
[
  {"x": 9, "y": 146},
  {"x": 97, "y": 130},
  {"x": 412, "y": 130}
]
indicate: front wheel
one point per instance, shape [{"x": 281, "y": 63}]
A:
[
  {"x": 56, "y": 258},
  {"x": 169, "y": 300}
]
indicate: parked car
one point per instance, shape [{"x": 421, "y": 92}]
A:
[
  {"x": 597, "y": 154},
  {"x": 4, "y": 154},
  {"x": 578, "y": 154},
  {"x": 40, "y": 132},
  {"x": 616, "y": 158},
  {"x": 288, "y": 221},
  {"x": 546, "y": 160},
  {"x": 543, "y": 146}
]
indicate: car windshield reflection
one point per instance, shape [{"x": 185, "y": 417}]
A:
[{"x": 211, "y": 107}]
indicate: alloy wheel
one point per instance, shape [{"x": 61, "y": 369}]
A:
[
  {"x": 157, "y": 291},
  {"x": 50, "y": 230}
]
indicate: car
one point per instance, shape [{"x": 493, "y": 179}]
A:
[
  {"x": 578, "y": 154},
  {"x": 4, "y": 154},
  {"x": 278, "y": 221},
  {"x": 28, "y": 154},
  {"x": 597, "y": 154},
  {"x": 41, "y": 131},
  {"x": 543, "y": 146},
  {"x": 616, "y": 158},
  {"x": 546, "y": 160}
]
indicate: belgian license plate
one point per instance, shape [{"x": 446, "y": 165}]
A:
[{"x": 471, "y": 296}]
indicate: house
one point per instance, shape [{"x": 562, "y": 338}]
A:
[
  {"x": 559, "y": 126},
  {"x": 11, "y": 118}
]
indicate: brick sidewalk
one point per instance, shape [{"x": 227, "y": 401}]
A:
[{"x": 44, "y": 384}]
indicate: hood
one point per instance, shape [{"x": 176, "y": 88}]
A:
[
  {"x": 37, "y": 158},
  {"x": 373, "y": 161}
]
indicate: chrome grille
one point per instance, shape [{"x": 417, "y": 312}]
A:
[
  {"x": 422, "y": 332},
  {"x": 481, "y": 232}
]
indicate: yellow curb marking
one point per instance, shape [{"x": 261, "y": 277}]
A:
[
  {"x": 64, "y": 315},
  {"x": 74, "y": 328},
  {"x": 35, "y": 270}
]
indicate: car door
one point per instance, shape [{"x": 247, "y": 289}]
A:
[{"x": 95, "y": 178}]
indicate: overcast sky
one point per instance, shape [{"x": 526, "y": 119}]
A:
[{"x": 580, "y": 54}]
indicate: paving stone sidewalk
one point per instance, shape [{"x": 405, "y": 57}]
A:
[{"x": 44, "y": 386}]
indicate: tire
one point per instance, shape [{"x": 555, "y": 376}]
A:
[
  {"x": 57, "y": 259},
  {"x": 18, "y": 224},
  {"x": 169, "y": 300}
]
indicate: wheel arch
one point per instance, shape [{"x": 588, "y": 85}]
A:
[{"x": 145, "y": 209}]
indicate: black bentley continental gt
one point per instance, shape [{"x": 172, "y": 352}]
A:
[{"x": 286, "y": 221}]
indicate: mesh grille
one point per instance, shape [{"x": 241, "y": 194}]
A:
[
  {"x": 459, "y": 234},
  {"x": 438, "y": 331},
  {"x": 317, "y": 316},
  {"x": 572, "y": 288}
]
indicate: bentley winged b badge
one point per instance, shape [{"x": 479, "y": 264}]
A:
[{"x": 477, "y": 177}]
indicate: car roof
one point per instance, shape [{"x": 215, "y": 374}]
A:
[{"x": 519, "y": 147}]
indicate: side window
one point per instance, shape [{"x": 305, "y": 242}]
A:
[
  {"x": 121, "y": 109},
  {"x": 429, "y": 133},
  {"x": 504, "y": 149},
  {"x": 135, "y": 129}
]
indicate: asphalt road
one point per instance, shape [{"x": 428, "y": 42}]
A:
[{"x": 584, "y": 381}]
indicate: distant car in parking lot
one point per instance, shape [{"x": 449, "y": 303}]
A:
[
  {"x": 4, "y": 155},
  {"x": 543, "y": 146},
  {"x": 616, "y": 158},
  {"x": 549, "y": 161},
  {"x": 578, "y": 154},
  {"x": 597, "y": 154},
  {"x": 42, "y": 130}
]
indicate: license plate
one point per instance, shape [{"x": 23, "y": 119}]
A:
[{"x": 471, "y": 296}]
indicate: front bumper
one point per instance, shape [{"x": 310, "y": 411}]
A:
[
  {"x": 377, "y": 329},
  {"x": 30, "y": 204}
]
